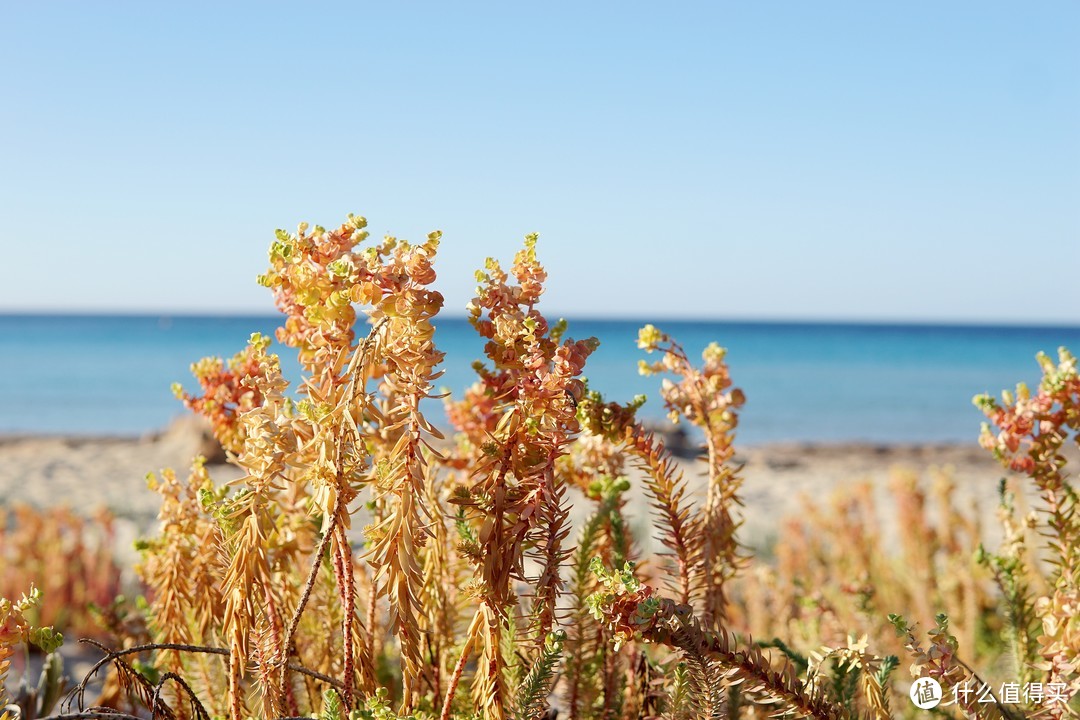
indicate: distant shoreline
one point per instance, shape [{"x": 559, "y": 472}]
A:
[{"x": 778, "y": 322}]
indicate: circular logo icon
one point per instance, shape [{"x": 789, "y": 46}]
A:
[{"x": 925, "y": 693}]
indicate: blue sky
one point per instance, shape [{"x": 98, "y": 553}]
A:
[{"x": 859, "y": 161}]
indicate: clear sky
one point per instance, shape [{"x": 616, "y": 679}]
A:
[{"x": 797, "y": 160}]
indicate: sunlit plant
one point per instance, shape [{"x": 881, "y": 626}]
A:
[{"x": 463, "y": 596}]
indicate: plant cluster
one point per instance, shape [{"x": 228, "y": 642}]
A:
[
  {"x": 829, "y": 579},
  {"x": 68, "y": 558},
  {"x": 16, "y": 628},
  {"x": 463, "y": 596},
  {"x": 1042, "y": 591}
]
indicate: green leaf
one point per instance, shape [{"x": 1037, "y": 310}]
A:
[{"x": 47, "y": 639}]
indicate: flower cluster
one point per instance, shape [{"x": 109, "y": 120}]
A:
[
  {"x": 310, "y": 276},
  {"x": 1032, "y": 428},
  {"x": 706, "y": 398},
  {"x": 516, "y": 423},
  {"x": 228, "y": 391},
  {"x": 531, "y": 367},
  {"x": 14, "y": 629},
  {"x": 1031, "y": 431}
]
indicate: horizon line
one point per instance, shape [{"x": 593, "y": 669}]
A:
[{"x": 586, "y": 317}]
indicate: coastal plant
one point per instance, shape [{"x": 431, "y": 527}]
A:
[
  {"x": 1037, "y": 568},
  {"x": 465, "y": 565},
  {"x": 1043, "y": 592},
  {"x": 845, "y": 562},
  {"x": 69, "y": 557},
  {"x": 16, "y": 628},
  {"x": 366, "y": 566},
  {"x": 706, "y": 399}
]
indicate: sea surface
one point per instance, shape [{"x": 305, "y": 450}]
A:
[{"x": 814, "y": 382}]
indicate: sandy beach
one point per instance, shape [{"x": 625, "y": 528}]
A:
[{"x": 779, "y": 479}]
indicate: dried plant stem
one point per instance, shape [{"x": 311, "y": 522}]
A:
[
  {"x": 356, "y": 371},
  {"x": 273, "y": 671},
  {"x": 716, "y": 655},
  {"x": 720, "y": 556},
  {"x": 236, "y": 662},
  {"x": 309, "y": 585},
  {"x": 111, "y": 655},
  {"x": 549, "y": 583},
  {"x": 343, "y": 570},
  {"x": 470, "y": 640},
  {"x": 93, "y": 715},
  {"x": 665, "y": 484},
  {"x": 110, "y": 714},
  {"x": 373, "y": 602},
  {"x": 200, "y": 710}
]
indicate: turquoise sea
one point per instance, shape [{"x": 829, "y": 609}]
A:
[{"x": 813, "y": 382}]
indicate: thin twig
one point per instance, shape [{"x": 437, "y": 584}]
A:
[
  {"x": 79, "y": 689},
  {"x": 196, "y": 704},
  {"x": 94, "y": 715},
  {"x": 459, "y": 668},
  {"x": 313, "y": 575}
]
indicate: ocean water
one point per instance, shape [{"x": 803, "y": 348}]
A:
[{"x": 803, "y": 381}]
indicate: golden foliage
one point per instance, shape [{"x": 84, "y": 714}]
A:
[{"x": 266, "y": 600}]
